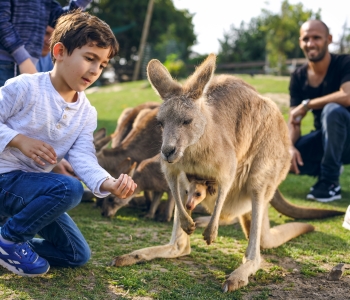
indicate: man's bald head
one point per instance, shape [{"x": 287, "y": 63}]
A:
[{"x": 315, "y": 24}]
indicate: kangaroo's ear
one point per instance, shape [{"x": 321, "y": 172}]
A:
[
  {"x": 99, "y": 134},
  {"x": 211, "y": 187},
  {"x": 161, "y": 80},
  {"x": 196, "y": 83},
  {"x": 132, "y": 169}
]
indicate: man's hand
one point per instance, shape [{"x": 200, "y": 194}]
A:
[
  {"x": 123, "y": 187},
  {"x": 35, "y": 149},
  {"x": 65, "y": 168},
  {"x": 27, "y": 67},
  {"x": 297, "y": 114},
  {"x": 296, "y": 160}
]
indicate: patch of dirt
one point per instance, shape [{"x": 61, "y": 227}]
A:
[{"x": 297, "y": 286}]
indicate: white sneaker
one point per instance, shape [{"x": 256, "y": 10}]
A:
[{"x": 346, "y": 223}]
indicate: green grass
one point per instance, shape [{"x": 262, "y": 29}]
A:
[{"x": 199, "y": 275}]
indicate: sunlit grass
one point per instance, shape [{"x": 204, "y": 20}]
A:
[{"x": 200, "y": 274}]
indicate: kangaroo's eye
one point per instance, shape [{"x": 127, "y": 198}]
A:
[
  {"x": 187, "y": 122},
  {"x": 186, "y": 192},
  {"x": 198, "y": 194}
]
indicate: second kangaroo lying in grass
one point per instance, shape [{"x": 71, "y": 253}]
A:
[{"x": 221, "y": 126}]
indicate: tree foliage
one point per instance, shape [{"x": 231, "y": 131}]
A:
[
  {"x": 171, "y": 30},
  {"x": 269, "y": 36}
]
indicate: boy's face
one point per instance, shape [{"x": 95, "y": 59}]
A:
[{"x": 83, "y": 67}]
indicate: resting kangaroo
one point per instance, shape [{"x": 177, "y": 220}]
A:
[{"x": 221, "y": 126}]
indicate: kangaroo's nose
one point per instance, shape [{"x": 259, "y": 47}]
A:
[{"x": 168, "y": 150}]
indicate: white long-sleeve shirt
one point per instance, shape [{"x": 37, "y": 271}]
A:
[{"x": 30, "y": 105}]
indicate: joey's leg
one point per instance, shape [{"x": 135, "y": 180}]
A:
[
  {"x": 179, "y": 245},
  {"x": 251, "y": 261},
  {"x": 177, "y": 190},
  {"x": 157, "y": 196},
  {"x": 245, "y": 221},
  {"x": 210, "y": 233}
]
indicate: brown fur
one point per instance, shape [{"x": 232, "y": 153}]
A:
[
  {"x": 126, "y": 120},
  {"x": 143, "y": 141},
  {"x": 221, "y": 126},
  {"x": 148, "y": 177}
]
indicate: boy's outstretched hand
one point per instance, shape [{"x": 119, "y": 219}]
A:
[
  {"x": 123, "y": 187},
  {"x": 35, "y": 149}
]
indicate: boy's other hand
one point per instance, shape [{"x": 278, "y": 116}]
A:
[
  {"x": 27, "y": 67},
  {"x": 123, "y": 187},
  {"x": 35, "y": 149},
  {"x": 65, "y": 168}
]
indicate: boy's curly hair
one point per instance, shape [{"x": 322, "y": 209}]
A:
[{"x": 77, "y": 29}]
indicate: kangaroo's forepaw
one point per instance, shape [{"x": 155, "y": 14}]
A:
[
  {"x": 234, "y": 283},
  {"x": 210, "y": 233},
  {"x": 188, "y": 225}
]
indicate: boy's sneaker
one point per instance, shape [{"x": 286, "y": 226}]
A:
[
  {"x": 325, "y": 191},
  {"x": 20, "y": 259}
]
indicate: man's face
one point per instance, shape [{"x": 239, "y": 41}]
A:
[
  {"x": 314, "y": 41},
  {"x": 47, "y": 36},
  {"x": 84, "y": 66}
]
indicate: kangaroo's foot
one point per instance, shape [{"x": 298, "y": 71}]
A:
[
  {"x": 239, "y": 277},
  {"x": 180, "y": 248}
]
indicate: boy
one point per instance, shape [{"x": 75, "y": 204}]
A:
[{"x": 44, "y": 117}]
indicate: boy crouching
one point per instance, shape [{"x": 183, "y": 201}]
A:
[{"x": 43, "y": 118}]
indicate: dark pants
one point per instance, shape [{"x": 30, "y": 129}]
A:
[
  {"x": 324, "y": 151},
  {"x": 7, "y": 70}
]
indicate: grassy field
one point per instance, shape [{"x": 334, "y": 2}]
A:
[{"x": 199, "y": 275}]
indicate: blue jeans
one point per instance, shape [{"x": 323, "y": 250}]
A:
[
  {"x": 324, "y": 151},
  {"x": 36, "y": 204},
  {"x": 8, "y": 70}
]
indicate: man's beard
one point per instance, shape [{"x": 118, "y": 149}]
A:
[{"x": 320, "y": 56}]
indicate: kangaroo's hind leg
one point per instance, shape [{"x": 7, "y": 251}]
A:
[
  {"x": 179, "y": 245},
  {"x": 278, "y": 235},
  {"x": 251, "y": 260}
]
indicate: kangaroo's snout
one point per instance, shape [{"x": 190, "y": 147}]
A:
[{"x": 167, "y": 152}]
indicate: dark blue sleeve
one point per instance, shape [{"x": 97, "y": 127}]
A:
[
  {"x": 8, "y": 35},
  {"x": 57, "y": 10}
]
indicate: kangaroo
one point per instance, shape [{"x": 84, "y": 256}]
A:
[
  {"x": 126, "y": 121},
  {"x": 220, "y": 125},
  {"x": 148, "y": 176},
  {"x": 143, "y": 141}
]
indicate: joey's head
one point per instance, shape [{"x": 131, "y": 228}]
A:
[
  {"x": 182, "y": 116},
  {"x": 198, "y": 190}
]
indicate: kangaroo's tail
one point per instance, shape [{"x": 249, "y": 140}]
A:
[{"x": 298, "y": 212}]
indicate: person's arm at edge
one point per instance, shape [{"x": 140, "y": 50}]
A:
[{"x": 11, "y": 40}]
